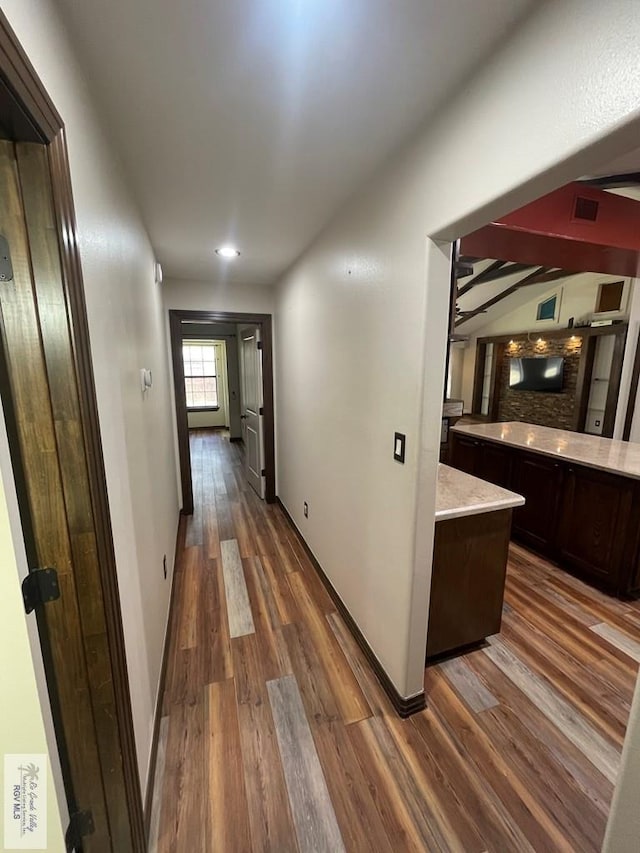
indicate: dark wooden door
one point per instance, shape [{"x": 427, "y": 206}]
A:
[
  {"x": 595, "y": 511},
  {"x": 42, "y": 408},
  {"x": 539, "y": 480}
]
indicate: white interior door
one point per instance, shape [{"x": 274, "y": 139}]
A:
[{"x": 252, "y": 417}]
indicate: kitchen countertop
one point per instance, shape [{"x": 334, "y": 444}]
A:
[
  {"x": 617, "y": 457},
  {"x": 460, "y": 494}
]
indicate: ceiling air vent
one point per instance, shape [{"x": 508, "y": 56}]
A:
[{"x": 586, "y": 209}]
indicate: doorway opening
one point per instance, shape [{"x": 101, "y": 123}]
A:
[
  {"x": 248, "y": 353},
  {"x": 542, "y": 361},
  {"x": 206, "y": 377}
]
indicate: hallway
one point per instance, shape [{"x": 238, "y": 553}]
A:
[{"x": 275, "y": 735}]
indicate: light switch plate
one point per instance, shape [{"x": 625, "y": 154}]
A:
[{"x": 399, "y": 440}]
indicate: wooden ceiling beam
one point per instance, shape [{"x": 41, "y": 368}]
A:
[
  {"x": 542, "y": 275},
  {"x": 480, "y": 277},
  {"x": 462, "y": 270},
  {"x": 610, "y": 182},
  {"x": 498, "y": 269}
]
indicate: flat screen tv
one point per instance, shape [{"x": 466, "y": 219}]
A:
[{"x": 536, "y": 374}]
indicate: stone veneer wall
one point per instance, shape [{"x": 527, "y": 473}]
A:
[{"x": 535, "y": 407}]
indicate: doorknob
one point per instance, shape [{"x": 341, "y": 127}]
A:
[{"x": 243, "y": 417}]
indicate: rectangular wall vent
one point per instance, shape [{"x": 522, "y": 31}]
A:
[{"x": 586, "y": 209}]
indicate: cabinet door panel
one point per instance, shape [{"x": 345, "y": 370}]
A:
[
  {"x": 494, "y": 464},
  {"x": 631, "y": 583},
  {"x": 465, "y": 453},
  {"x": 595, "y": 511},
  {"x": 467, "y": 588},
  {"x": 539, "y": 481}
]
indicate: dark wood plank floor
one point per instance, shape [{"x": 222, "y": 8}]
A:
[{"x": 275, "y": 735}]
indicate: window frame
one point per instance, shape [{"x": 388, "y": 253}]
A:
[
  {"x": 624, "y": 297},
  {"x": 200, "y": 342},
  {"x": 549, "y": 321}
]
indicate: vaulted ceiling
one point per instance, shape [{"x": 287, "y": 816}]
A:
[
  {"x": 496, "y": 287},
  {"x": 592, "y": 225},
  {"x": 252, "y": 121}
]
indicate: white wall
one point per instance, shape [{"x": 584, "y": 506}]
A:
[
  {"x": 349, "y": 375},
  {"x": 579, "y": 297},
  {"x": 127, "y": 332},
  {"x": 26, "y": 726},
  {"x": 457, "y": 353},
  {"x": 623, "y": 828},
  {"x": 206, "y": 296},
  {"x": 206, "y": 420},
  {"x": 361, "y": 319},
  {"x": 627, "y": 370}
]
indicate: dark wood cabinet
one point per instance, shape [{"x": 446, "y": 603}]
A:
[
  {"x": 594, "y": 517},
  {"x": 586, "y": 520},
  {"x": 467, "y": 585},
  {"x": 539, "y": 480},
  {"x": 631, "y": 559},
  {"x": 494, "y": 464},
  {"x": 465, "y": 453}
]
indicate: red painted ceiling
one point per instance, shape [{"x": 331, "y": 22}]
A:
[{"x": 547, "y": 233}]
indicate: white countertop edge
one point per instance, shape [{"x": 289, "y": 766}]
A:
[
  {"x": 461, "y": 494},
  {"x": 565, "y": 456},
  {"x": 479, "y": 509}
]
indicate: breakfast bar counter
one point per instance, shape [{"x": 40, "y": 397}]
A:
[
  {"x": 582, "y": 492},
  {"x": 605, "y": 454}
]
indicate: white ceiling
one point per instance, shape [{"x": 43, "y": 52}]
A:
[
  {"x": 626, "y": 164},
  {"x": 251, "y": 121},
  {"x": 627, "y": 192}
]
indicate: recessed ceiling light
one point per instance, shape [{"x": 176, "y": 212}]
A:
[{"x": 227, "y": 252}]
